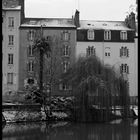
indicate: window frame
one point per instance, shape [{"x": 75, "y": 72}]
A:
[
  {"x": 90, "y": 50},
  {"x": 10, "y": 40},
  {"x": 11, "y": 22},
  {"x": 30, "y": 50},
  {"x": 10, "y": 78},
  {"x": 124, "y": 51},
  {"x": 10, "y": 58},
  {"x": 91, "y": 34},
  {"x": 107, "y": 35},
  {"x": 31, "y": 66},
  {"x": 124, "y": 68},
  {"x": 123, "y": 35}
]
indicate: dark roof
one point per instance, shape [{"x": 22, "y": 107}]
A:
[{"x": 105, "y": 25}]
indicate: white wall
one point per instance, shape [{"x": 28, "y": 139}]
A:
[{"x": 114, "y": 60}]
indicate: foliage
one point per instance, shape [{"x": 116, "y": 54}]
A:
[{"x": 90, "y": 78}]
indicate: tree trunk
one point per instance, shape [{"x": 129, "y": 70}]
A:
[{"x": 41, "y": 72}]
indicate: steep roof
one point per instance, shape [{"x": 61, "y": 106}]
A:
[
  {"x": 105, "y": 25},
  {"x": 48, "y": 22}
]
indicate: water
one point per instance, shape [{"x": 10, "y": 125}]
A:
[{"x": 117, "y": 130}]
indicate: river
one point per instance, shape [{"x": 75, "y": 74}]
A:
[{"x": 115, "y": 130}]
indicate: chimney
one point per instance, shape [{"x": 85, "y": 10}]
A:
[
  {"x": 21, "y": 3},
  {"x": 130, "y": 21},
  {"x": 76, "y": 19}
]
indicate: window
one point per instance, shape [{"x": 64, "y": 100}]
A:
[
  {"x": 90, "y": 51},
  {"x": 66, "y": 36},
  {"x": 66, "y": 50},
  {"x": 10, "y": 58},
  {"x": 11, "y": 40},
  {"x": 11, "y": 22},
  {"x": 123, "y": 35},
  {"x": 30, "y": 66},
  {"x": 10, "y": 78},
  {"x": 64, "y": 86},
  {"x": 107, "y": 35},
  {"x": 31, "y": 35},
  {"x": 107, "y": 52},
  {"x": 124, "y": 52},
  {"x": 124, "y": 68},
  {"x": 30, "y": 81},
  {"x": 48, "y": 54},
  {"x": 90, "y": 34},
  {"x": 65, "y": 66},
  {"x": 30, "y": 50}
]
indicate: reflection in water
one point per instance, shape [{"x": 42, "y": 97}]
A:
[{"x": 124, "y": 130}]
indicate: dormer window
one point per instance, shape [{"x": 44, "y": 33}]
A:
[
  {"x": 123, "y": 35},
  {"x": 90, "y": 34},
  {"x": 107, "y": 35}
]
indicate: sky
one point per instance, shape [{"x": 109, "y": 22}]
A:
[{"x": 89, "y": 9}]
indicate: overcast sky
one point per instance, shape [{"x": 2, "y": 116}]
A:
[{"x": 89, "y": 9}]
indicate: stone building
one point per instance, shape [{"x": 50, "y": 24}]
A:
[
  {"x": 61, "y": 35},
  {"x": 114, "y": 42},
  {"x": 12, "y": 17}
]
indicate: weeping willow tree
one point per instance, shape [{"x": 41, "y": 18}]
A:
[{"x": 90, "y": 79}]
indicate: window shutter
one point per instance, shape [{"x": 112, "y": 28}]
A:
[
  {"x": 127, "y": 69},
  {"x": 61, "y": 49},
  {"x": 121, "y": 52},
  {"x": 69, "y": 35},
  {"x": 87, "y": 51},
  {"x": 14, "y": 79},
  {"x": 28, "y": 50},
  {"x": 60, "y": 86},
  {"x": 61, "y": 35},
  {"x": 5, "y": 79},
  {"x": 121, "y": 69},
  {"x": 28, "y": 35},
  {"x": 69, "y": 50},
  {"x": 127, "y": 52}
]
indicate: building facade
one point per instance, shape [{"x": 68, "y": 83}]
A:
[
  {"x": 11, "y": 20},
  {"x": 114, "y": 42},
  {"x": 61, "y": 36}
]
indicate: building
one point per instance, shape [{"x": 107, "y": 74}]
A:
[
  {"x": 113, "y": 42},
  {"x": 61, "y": 35},
  {"x": 12, "y": 17}
]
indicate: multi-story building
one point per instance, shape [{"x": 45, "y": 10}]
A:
[
  {"x": 113, "y": 42},
  {"x": 61, "y": 35},
  {"x": 11, "y": 20}
]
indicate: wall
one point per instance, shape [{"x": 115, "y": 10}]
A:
[
  {"x": 23, "y": 74},
  {"x": 114, "y": 60},
  {"x": 13, "y": 49}
]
